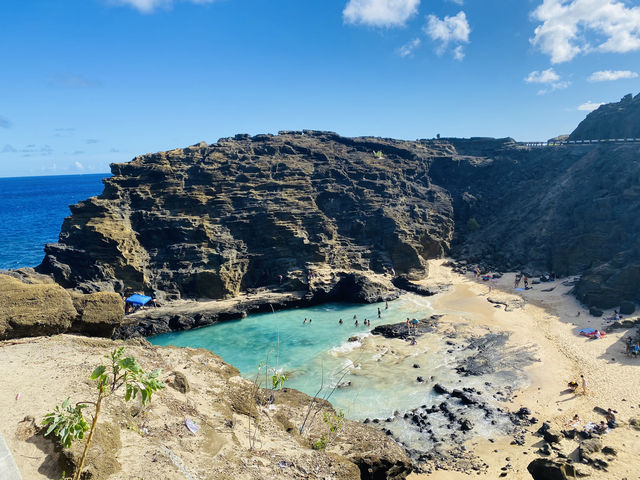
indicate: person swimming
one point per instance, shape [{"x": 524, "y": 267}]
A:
[{"x": 340, "y": 322}]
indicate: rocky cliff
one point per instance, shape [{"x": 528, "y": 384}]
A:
[
  {"x": 216, "y": 220},
  {"x": 612, "y": 120}
]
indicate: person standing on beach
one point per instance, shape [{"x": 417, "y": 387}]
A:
[
  {"x": 516, "y": 282},
  {"x": 526, "y": 283},
  {"x": 379, "y": 313},
  {"x": 584, "y": 385},
  {"x": 386, "y": 305}
]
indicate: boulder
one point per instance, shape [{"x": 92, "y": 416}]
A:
[
  {"x": 595, "y": 312},
  {"x": 588, "y": 447},
  {"x": 440, "y": 389},
  {"x": 552, "y": 435},
  {"x": 627, "y": 308},
  {"x": 29, "y": 310},
  {"x": 546, "y": 469},
  {"x": 99, "y": 314}
]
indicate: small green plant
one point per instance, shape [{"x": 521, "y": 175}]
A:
[
  {"x": 334, "y": 421},
  {"x": 67, "y": 422},
  {"x": 277, "y": 380},
  {"x": 377, "y": 153},
  {"x": 320, "y": 444},
  {"x": 473, "y": 225}
]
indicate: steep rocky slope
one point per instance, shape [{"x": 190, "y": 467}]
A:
[
  {"x": 243, "y": 432},
  {"x": 216, "y": 220},
  {"x": 612, "y": 120}
]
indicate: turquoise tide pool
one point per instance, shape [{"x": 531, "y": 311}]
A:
[{"x": 306, "y": 352}]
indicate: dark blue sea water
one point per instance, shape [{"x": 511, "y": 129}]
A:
[{"x": 32, "y": 210}]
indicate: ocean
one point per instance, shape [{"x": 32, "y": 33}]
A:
[{"x": 32, "y": 210}]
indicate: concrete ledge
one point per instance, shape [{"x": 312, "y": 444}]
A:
[{"x": 8, "y": 468}]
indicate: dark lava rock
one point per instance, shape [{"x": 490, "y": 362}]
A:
[
  {"x": 404, "y": 283},
  {"x": 552, "y": 435},
  {"x": 546, "y": 469},
  {"x": 463, "y": 396},
  {"x": 523, "y": 412},
  {"x": 627, "y": 308},
  {"x": 420, "y": 379},
  {"x": 415, "y": 365},
  {"x": 440, "y": 389},
  {"x": 609, "y": 451},
  {"x": 596, "y": 312},
  {"x": 375, "y": 468},
  {"x": 466, "y": 425},
  {"x": 589, "y": 447}
]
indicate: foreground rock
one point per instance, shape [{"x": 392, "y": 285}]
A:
[
  {"x": 545, "y": 469},
  {"x": 244, "y": 432},
  {"x": 32, "y": 305}
]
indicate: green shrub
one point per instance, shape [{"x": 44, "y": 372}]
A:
[
  {"x": 320, "y": 444},
  {"x": 473, "y": 225}
]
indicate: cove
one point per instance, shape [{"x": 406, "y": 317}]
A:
[{"x": 379, "y": 373}]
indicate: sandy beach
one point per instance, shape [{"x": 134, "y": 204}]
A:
[{"x": 550, "y": 322}]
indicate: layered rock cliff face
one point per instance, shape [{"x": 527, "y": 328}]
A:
[
  {"x": 215, "y": 220},
  {"x": 212, "y": 220},
  {"x": 612, "y": 120}
]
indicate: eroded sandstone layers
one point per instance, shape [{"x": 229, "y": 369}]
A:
[
  {"x": 216, "y": 220},
  {"x": 212, "y": 220}
]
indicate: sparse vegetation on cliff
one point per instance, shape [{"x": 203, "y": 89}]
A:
[{"x": 68, "y": 423}]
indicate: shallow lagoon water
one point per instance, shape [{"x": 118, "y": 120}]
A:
[{"x": 382, "y": 379}]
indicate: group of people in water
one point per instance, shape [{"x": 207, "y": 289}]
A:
[{"x": 365, "y": 322}]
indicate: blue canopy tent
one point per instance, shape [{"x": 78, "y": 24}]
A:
[{"x": 138, "y": 300}]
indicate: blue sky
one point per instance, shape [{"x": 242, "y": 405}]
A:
[{"x": 88, "y": 82}]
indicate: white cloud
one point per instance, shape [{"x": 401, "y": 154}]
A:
[
  {"x": 458, "y": 52},
  {"x": 572, "y": 27},
  {"x": 611, "y": 75},
  {"x": 449, "y": 30},
  {"x": 589, "y": 106},
  {"x": 79, "y": 166},
  {"x": 148, "y": 6},
  {"x": 380, "y": 13},
  {"x": 408, "y": 48},
  {"x": 545, "y": 76},
  {"x": 549, "y": 78}
]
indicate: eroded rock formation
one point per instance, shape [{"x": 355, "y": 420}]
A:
[
  {"x": 216, "y": 220},
  {"x": 32, "y": 305}
]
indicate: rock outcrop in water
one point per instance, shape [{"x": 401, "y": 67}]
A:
[
  {"x": 612, "y": 120},
  {"x": 217, "y": 220}
]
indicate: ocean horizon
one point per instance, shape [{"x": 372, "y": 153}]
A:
[{"x": 32, "y": 209}]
